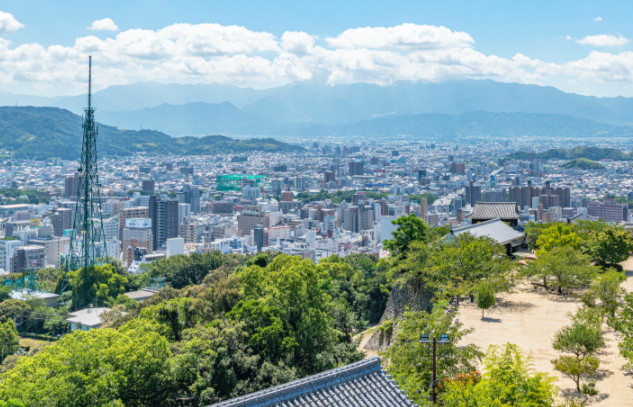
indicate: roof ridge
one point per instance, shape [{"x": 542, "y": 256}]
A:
[{"x": 306, "y": 385}]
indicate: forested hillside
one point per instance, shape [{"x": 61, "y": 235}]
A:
[{"x": 44, "y": 132}]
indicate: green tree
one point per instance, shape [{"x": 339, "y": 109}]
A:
[
  {"x": 9, "y": 341},
  {"x": 605, "y": 293},
  {"x": 509, "y": 379},
  {"x": 410, "y": 363},
  {"x": 568, "y": 268},
  {"x": 173, "y": 316},
  {"x": 581, "y": 340},
  {"x": 93, "y": 368},
  {"x": 13, "y": 309},
  {"x": 94, "y": 285},
  {"x": 557, "y": 236},
  {"x": 5, "y": 293},
  {"x": 612, "y": 246},
  {"x": 410, "y": 229},
  {"x": 485, "y": 298},
  {"x": 181, "y": 271},
  {"x": 472, "y": 260},
  {"x": 623, "y": 323}
]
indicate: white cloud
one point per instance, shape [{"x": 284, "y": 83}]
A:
[
  {"x": 8, "y": 23},
  {"x": 568, "y": 38},
  {"x": 405, "y": 36},
  {"x": 597, "y": 18},
  {"x": 206, "y": 53},
  {"x": 604, "y": 40},
  {"x": 105, "y": 24}
]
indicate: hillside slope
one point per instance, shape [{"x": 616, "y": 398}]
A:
[{"x": 45, "y": 132}]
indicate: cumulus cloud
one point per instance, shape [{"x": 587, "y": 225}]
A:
[
  {"x": 206, "y": 53},
  {"x": 604, "y": 40},
  {"x": 8, "y": 23},
  {"x": 597, "y": 18},
  {"x": 105, "y": 24},
  {"x": 405, "y": 36}
]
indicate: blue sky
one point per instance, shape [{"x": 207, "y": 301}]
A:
[{"x": 561, "y": 43}]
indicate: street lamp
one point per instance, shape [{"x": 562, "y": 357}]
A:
[{"x": 424, "y": 338}]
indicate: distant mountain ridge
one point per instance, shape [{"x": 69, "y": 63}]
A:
[
  {"x": 321, "y": 104},
  {"x": 480, "y": 107},
  {"x": 47, "y": 132}
]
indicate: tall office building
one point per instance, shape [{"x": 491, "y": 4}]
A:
[
  {"x": 148, "y": 185},
  {"x": 356, "y": 168},
  {"x": 472, "y": 193},
  {"x": 62, "y": 219},
  {"x": 71, "y": 187},
  {"x": 329, "y": 176},
  {"x": 548, "y": 196},
  {"x": 129, "y": 213},
  {"x": 184, "y": 211},
  {"x": 192, "y": 197},
  {"x": 498, "y": 195},
  {"x": 164, "y": 216},
  {"x": 247, "y": 220}
]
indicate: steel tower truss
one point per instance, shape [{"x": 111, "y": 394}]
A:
[{"x": 87, "y": 241}]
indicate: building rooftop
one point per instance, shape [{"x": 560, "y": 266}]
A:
[
  {"x": 359, "y": 384},
  {"x": 494, "y": 210},
  {"x": 87, "y": 316},
  {"x": 494, "y": 229}
]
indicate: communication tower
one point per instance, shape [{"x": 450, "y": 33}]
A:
[{"x": 87, "y": 238}]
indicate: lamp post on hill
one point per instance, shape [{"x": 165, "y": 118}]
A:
[{"x": 443, "y": 340}]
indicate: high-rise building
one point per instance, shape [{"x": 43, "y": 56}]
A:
[
  {"x": 136, "y": 212},
  {"x": 71, "y": 187},
  {"x": 184, "y": 212},
  {"x": 458, "y": 168},
  {"x": 329, "y": 176},
  {"x": 356, "y": 168},
  {"x": 192, "y": 197},
  {"x": 137, "y": 233},
  {"x": 148, "y": 185},
  {"x": 61, "y": 219},
  {"x": 472, "y": 193},
  {"x": 301, "y": 183},
  {"x": 258, "y": 237},
  {"x": 288, "y": 196},
  {"x": 498, "y": 195},
  {"x": 26, "y": 257},
  {"x": 164, "y": 216},
  {"x": 608, "y": 210},
  {"x": 548, "y": 196},
  {"x": 247, "y": 220},
  {"x": 276, "y": 186},
  {"x": 424, "y": 207},
  {"x": 280, "y": 168}
]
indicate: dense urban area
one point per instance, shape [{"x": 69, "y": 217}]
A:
[{"x": 223, "y": 275}]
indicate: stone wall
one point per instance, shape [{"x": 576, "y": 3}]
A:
[{"x": 399, "y": 299}]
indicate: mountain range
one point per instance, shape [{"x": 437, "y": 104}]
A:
[{"x": 447, "y": 109}]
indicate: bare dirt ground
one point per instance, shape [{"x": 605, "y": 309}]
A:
[{"x": 530, "y": 318}]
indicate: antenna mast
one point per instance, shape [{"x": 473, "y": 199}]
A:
[{"x": 88, "y": 246}]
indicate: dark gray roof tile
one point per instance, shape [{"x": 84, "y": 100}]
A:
[{"x": 360, "y": 384}]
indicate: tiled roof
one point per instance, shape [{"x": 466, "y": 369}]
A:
[
  {"x": 360, "y": 384},
  {"x": 494, "y": 229},
  {"x": 494, "y": 210}
]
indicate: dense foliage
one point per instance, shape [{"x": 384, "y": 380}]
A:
[
  {"x": 508, "y": 379},
  {"x": 45, "y": 132},
  {"x": 583, "y": 164}
]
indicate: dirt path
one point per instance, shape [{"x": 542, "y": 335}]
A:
[
  {"x": 366, "y": 336},
  {"x": 530, "y": 319}
]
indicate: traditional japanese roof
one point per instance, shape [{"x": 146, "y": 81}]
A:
[
  {"x": 494, "y": 210},
  {"x": 359, "y": 384},
  {"x": 494, "y": 229}
]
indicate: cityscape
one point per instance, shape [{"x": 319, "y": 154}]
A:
[{"x": 207, "y": 205}]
